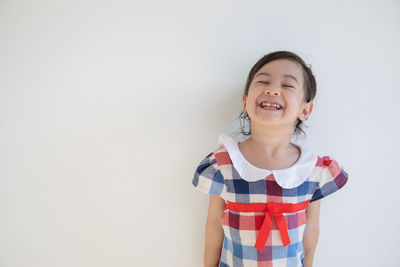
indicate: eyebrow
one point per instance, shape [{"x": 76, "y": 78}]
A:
[{"x": 286, "y": 76}]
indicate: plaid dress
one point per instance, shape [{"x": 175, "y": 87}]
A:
[{"x": 264, "y": 220}]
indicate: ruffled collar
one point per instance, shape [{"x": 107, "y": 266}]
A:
[{"x": 290, "y": 177}]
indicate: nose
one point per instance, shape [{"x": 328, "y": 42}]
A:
[{"x": 272, "y": 92}]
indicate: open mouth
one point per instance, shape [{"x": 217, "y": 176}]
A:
[{"x": 270, "y": 106}]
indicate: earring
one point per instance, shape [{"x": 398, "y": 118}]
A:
[{"x": 245, "y": 115}]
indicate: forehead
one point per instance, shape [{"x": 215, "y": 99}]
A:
[{"x": 281, "y": 68}]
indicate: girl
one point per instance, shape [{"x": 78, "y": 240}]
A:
[{"x": 265, "y": 191}]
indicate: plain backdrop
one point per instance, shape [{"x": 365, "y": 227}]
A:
[{"x": 107, "y": 107}]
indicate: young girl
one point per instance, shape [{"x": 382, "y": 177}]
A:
[{"x": 265, "y": 192}]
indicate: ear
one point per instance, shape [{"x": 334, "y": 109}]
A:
[
  {"x": 244, "y": 102},
  {"x": 307, "y": 109}
]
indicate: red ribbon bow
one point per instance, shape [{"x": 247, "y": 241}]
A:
[{"x": 272, "y": 210}]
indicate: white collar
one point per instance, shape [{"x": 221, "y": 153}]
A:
[{"x": 290, "y": 177}]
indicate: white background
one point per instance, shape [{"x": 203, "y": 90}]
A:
[{"x": 106, "y": 108}]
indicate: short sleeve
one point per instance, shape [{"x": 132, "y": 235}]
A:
[
  {"x": 208, "y": 178},
  {"x": 333, "y": 177}
]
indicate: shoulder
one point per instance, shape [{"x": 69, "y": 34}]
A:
[
  {"x": 207, "y": 164},
  {"x": 208, "y": 177},
  {"x": 331, "y": 177},
  {"x": 331, "y": 168},
  {"x": 211, "y": 160}
]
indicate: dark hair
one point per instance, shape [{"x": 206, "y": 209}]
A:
[{"x": 310, "y": 86}]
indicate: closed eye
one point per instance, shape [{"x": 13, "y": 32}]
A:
[{"x": 283, "y": 85}]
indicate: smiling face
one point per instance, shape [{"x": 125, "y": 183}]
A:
[{"x": 279, "y": 81}]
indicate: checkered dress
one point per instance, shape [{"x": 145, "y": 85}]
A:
[{"x": 217, "y": 174}]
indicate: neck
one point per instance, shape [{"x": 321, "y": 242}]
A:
[{"x": 273, "y": 143}]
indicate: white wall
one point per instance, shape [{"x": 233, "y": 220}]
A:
[{"x": 106, "y": 108}]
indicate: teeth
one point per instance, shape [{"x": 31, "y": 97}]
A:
[{"x": 264, "y": 104}]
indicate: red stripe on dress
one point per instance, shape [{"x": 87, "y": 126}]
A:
[{"x": 272, "y": 210}]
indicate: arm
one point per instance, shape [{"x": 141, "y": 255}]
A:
[
  {"x": 312, "y": 232},
  {"x": 214, "y": 231}
]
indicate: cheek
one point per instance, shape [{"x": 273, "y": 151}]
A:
[
  {"x": 295, "y": 102},
  {"x": 255, "y": 92},
  {"x": 294, "y": 97},
  {"x": 258, "y": 88},
  {"x": 251, "y": 101}
]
